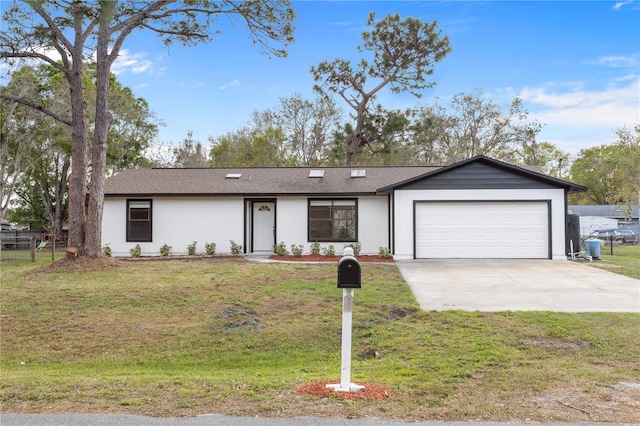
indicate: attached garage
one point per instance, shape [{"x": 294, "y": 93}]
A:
[
  {"x": 482, "y": 229},
  {"x": 480, "y": 208}
]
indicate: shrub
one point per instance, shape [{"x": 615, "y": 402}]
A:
[
  {"x": 106, "y": 250},
  {"x": 315, "y": 248},
  {"x": 165, "y": 250},
  {"x": 329, "y": 251},
  {"x": 191, "y": 248},
  {"x": 136, "y": 251},
  {"x": 236, "y": 248},
  {"x": 357, "y": 248},
  {"x": 210, "y": 248},
  {"x": 280, "y": 249},
  {"x": 297, "y": 250},
  {"x": 384, "y": 253}
]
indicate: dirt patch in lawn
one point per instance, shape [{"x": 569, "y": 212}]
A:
[
  {"x": 618, "y": 402},
  {"x": 83, "y": 263},
  {"x": 556, "y": 344},
  {"x": 88, "y": 263},
  {"x": 322, "y": 258}
]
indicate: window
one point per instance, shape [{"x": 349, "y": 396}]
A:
[
  {"x": 333, "y": 220},
  {"x": 139, "y": 220}
]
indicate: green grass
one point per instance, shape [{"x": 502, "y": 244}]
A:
[
  {"x": 625, "y": 260},
  {"x": 184, "y": 337}
]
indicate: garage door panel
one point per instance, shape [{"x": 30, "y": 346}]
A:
[{"x": 482, "y": 230}]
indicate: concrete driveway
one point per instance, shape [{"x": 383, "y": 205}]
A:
[{"x": 518, "y": 285}]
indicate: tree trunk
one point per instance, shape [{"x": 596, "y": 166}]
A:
[
  {"x": 60, "y": 191},
  {"x": 352, "y": 152},
  {"x": 78, "y": 178},
  {"x": 356, "y": 136},
  {"x": 93, "y": 245}
]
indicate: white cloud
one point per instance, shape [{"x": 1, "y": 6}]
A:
[
  {"x": 617, "y": 61},
  {"x": 620, "y": 4},
  {"x": 235, "y": 82},
  {"x": 613, "y": 106},
  {"x": 576, "y": 117},
  {"x": 136, "y": 63},
  {"x": 189, "y": 83}
]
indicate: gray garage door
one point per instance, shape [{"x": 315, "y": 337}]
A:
[{"x": 488, "y": 229}]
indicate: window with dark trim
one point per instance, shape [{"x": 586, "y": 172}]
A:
[
  {"x": 139, "y": 220},
  {"x": 333, "y": 220}
]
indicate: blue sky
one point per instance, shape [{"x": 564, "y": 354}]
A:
[{"x": 574, "y": 63}]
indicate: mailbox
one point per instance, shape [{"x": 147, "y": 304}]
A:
[{"x": 349, "y": 273}]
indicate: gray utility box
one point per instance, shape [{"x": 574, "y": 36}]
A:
[{"x": 349, "y": 275}]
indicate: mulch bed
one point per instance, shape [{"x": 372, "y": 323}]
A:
[
  {"x": 320, "y": 390},
  {"x": 322, "y": 258},
  {"x": 87, "y": 263}
]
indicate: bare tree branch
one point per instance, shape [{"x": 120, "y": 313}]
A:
[{"x": 37, "y": 107}]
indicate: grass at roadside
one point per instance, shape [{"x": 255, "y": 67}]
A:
[
  {"x": 625, "y": 260},
  {"x": 184, "y": 337}
]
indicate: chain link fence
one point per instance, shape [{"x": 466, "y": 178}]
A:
[
  {"x": 25, "y": 245},
  {"x": 15, "y": 248}
]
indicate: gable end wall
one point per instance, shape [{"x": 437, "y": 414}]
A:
[{"x": 477, "y": 176}]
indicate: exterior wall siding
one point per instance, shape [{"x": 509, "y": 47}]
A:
[
  {"x": 373, "y": 229},
  {"x": 477, "y": 176},
  {"x": 114, "y": 226},
  {"x": 373, "y": 224},
  {"x": 178, "y": 221},
  {"x": 404, "y": 220},
  {"x": 291, "y": 226}
]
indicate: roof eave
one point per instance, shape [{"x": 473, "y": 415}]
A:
[{"x": 244, "y": 194}]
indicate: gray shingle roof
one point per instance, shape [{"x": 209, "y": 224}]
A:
[
  {"x": 257, "y": 181},
  {"x": 607, "y": 210}
]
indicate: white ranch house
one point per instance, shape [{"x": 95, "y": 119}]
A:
[{"x": 478, "y": 208}]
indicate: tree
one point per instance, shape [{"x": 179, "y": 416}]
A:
[
  {"x": 386, "y": 134},
  {"x": 404, "y": 53},
  {"x": 473, "y": 126},
  {"x": 546, "y": 156},
  {"x": 63, "y": 33},
  {"x": 44, "y": 188},
  {"x": 432, "y": 135},
  {"x": 43, "y": 193},
  {"x": 610, "y": 172},
  {"x": 294, "y": 133},
  {"x": 132, "y": 129},
  {"x": 595, "y": 168},
  {"x": 25, "y": 133},
  {"x": 307, "y": 126},
  {"x": 189, "y": 153},
  {"x": 629, "y": 164},
  {"x": 259, "y": 144},
  {"x": 14, "y": 153}
]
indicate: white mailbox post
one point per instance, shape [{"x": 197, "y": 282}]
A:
[{"x": 349, "y": 278}]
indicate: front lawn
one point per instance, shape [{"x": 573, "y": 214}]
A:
[{"x": 224, "y": 335}]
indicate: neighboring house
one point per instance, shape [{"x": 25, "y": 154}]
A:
[
  {"x": 478, "y": 208},
  {"x": 595, "y": 217},
  {"x": 589, "y": 224}
]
